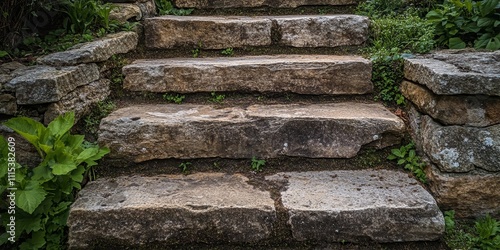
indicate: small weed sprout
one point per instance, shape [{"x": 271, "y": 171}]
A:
[
  {"x": 257, "y": 165},
  {"x": 407, "y": 157},
  {"x": 217, "y": 98},
  {"x": 485, "y": 234},
  {"x": 228, "y": 52},
  {"x": 196, "y": 51},
  {"x": 177, "y": 99},
  {"x": 185, "y": 167}
]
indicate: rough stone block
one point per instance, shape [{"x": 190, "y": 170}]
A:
[
  {"x": 95, "y": 51},
  {"x": 471, "y": 195},
  {"x": 383, "y": 206},
  {"x": 457, "y": 148},
  {"x": 463, "y": 73},
  {"x": 79, "y": 100},
  {"x": 322, "y": 31},
  {"x": 213, "y": 32},
  {"x": 219, "y": 4},
  {"x": 141, "y": 211},
  {"x": 8, "y": 104},
  {"x": 316, "y": 74},
  {"x": 45, "y": 84},
  {"x": 124, "y": 12},
  {"x": 146, "y": 132},
  {"x": 470, "y": 110}
]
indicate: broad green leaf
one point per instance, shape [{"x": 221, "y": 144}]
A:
[
  {"x": 63, "y": 168},
  {"x": 74, "y": 141},
  {"x": 102, "y": 152},
  {"x": 30, "y": 197},
  {"x": 3, "y": 53},
  {"x": 456, "y": 43},
  {"x": 62, "y": 124},
  {"x": 77, "y": 174},
  {"x": 36, "y": 241},
  {"x": 87, "y": 154},
  {"x": 485, "y": 22},
  {"x": 401, "y": 161},
  {"x": 42, "y": 173},
  {"x": 397, "y": 153},
  {"x": 488, "y": 6},
  {"x": 28, "y": 128},
  {"x": 493, "y": 44},
  {"x": 28, "y": 224}
]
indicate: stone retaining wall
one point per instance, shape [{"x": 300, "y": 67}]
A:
[{"x": 455, "y": 118}]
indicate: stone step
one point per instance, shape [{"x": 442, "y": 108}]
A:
[
  {"x": 220, "y": 32},
  {"x": 303, "y": 74},
  {"x": 223, "y": 4},
  {"x": 146, "y": 132},
  {"x": 330, "y": 206}
]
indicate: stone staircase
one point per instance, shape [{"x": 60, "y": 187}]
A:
[{"x": 250, "y": 209}]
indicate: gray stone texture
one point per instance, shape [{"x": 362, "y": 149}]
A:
[
  {"x": 146, "y": 132},
  {"x": 457, "y": 148},
  {"x": 469, "y": 110},
  {"x": 217, "y": 32},
  {"x": 219, "y": 4},
  {"x": 163, "y": 210},
  {"x": 355, "y": 206},
  {"x": 46, "y": 84},
  {"x": 213, "y": 32},
  {"x": 125, "y": 11},
  {"x": 95, "y": 51},
  {"x": 79, "y": 100},
  {"x": 457, "y": 73},
  {"x": 471, "y": 195},
  {"x": 8, "y": 104},
  {"x": 304, "y": 74},
  {"x": 322, "y": 31}
]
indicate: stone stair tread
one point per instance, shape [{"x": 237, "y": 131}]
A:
[
  {"x": 303, "y": 74},
  {"x": 187, "y": 131},
  {"x": 220, "y": 32},
  {"x": 331, "y": 206},
  {"x": 220, "y": 4}
]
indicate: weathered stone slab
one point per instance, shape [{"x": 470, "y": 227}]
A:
[
  {"x": 304, "y": 74},
  {"x": 148, "y": 7},
  {"x": 472, "y": 194},
  {"x": 139, "y": 211},
  {"x": 353, "y": 206},
  {"x": 95, "y": 51},
  {"x": 470, "y": 110},
  {"x": 79, "y": 100},
  {"x": 212, "y": 32},
  {"x": 45, "y": 84},
  {"x": 458, "y": 148},
  {"x": 8, "y": 104},
  {"x": 322, "y": 30},
  {"x": 457, "y": 74},
  {"x": 122, "y": 12},
  {"x": 219, "y": 4},
  {"x": 146, "y": 132}
]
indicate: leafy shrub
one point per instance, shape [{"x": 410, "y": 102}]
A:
[
  {"x": 44, "y": 193},
  {"x": 484, "y": 235},
  {"x": 84, "y": 14},
  {"x": 165, "y": 7},
  {"x": 391, "y": 8},
  {"x": 406, "y": 156},
  {"x": 460, "y": 23}
]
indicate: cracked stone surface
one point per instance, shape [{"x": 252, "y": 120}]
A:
[
  {"x": 204, "y": 208},
  {"x": 46, "y": 84},
  {"x": 79, "y": 100},
  {"x": 379, "y": 205},
  {"x": 218, "y": 4},
  {"x": 304, "y": 74},
  {"x": 471, "y": 195},
  {"x": 146, "y": 132},
  {"x": 469, "y": 110},
  {"x": 457, "y": 148},
  {"x": 95, "y": 51},
  {"x": 457, "y": 73}
]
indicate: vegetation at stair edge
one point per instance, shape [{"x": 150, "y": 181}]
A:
[
  {"x": 44, "y": 193},
  {"x": 29, "y": 28},
  {"x": 407, "y": 156},
  {"x": 165, "y": 7},
  {"x": 257, "y": 165},
  {"x": 483, "y": 235},
  {"x": 397, "y": 31}
]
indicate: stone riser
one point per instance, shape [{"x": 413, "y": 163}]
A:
[
  {"x": 220, "y": 32},
  {"x": 383, "y": 206},
  {"x": 222, "y": 4},
  {"x": 142, "y": 133},
  {"x": 330, "y": 75}
]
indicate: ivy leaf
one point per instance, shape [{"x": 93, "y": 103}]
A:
[{"x": 30, "y": 197}]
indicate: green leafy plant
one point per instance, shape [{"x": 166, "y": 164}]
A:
[
  {"x": 217, "y": 98},
  {"x": 406, "y": 156},
  {"x": 460, "y": 23},
  {"x": 228, "y": 52},
  {"x": 3, "y": 53},
  {"x": 165, "y": 7},
  {"x": 185, "y": 167},
  {"x": 257, "y": 164},
  {"x": 484, "y": 234},
  {"x": 177, "y": 99},
  {"x": 44, "y": 193},
  {"x": 488, "y": 233},
  {"x": 387, "y": 75},
  {"x": 83, "y": 14}
]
